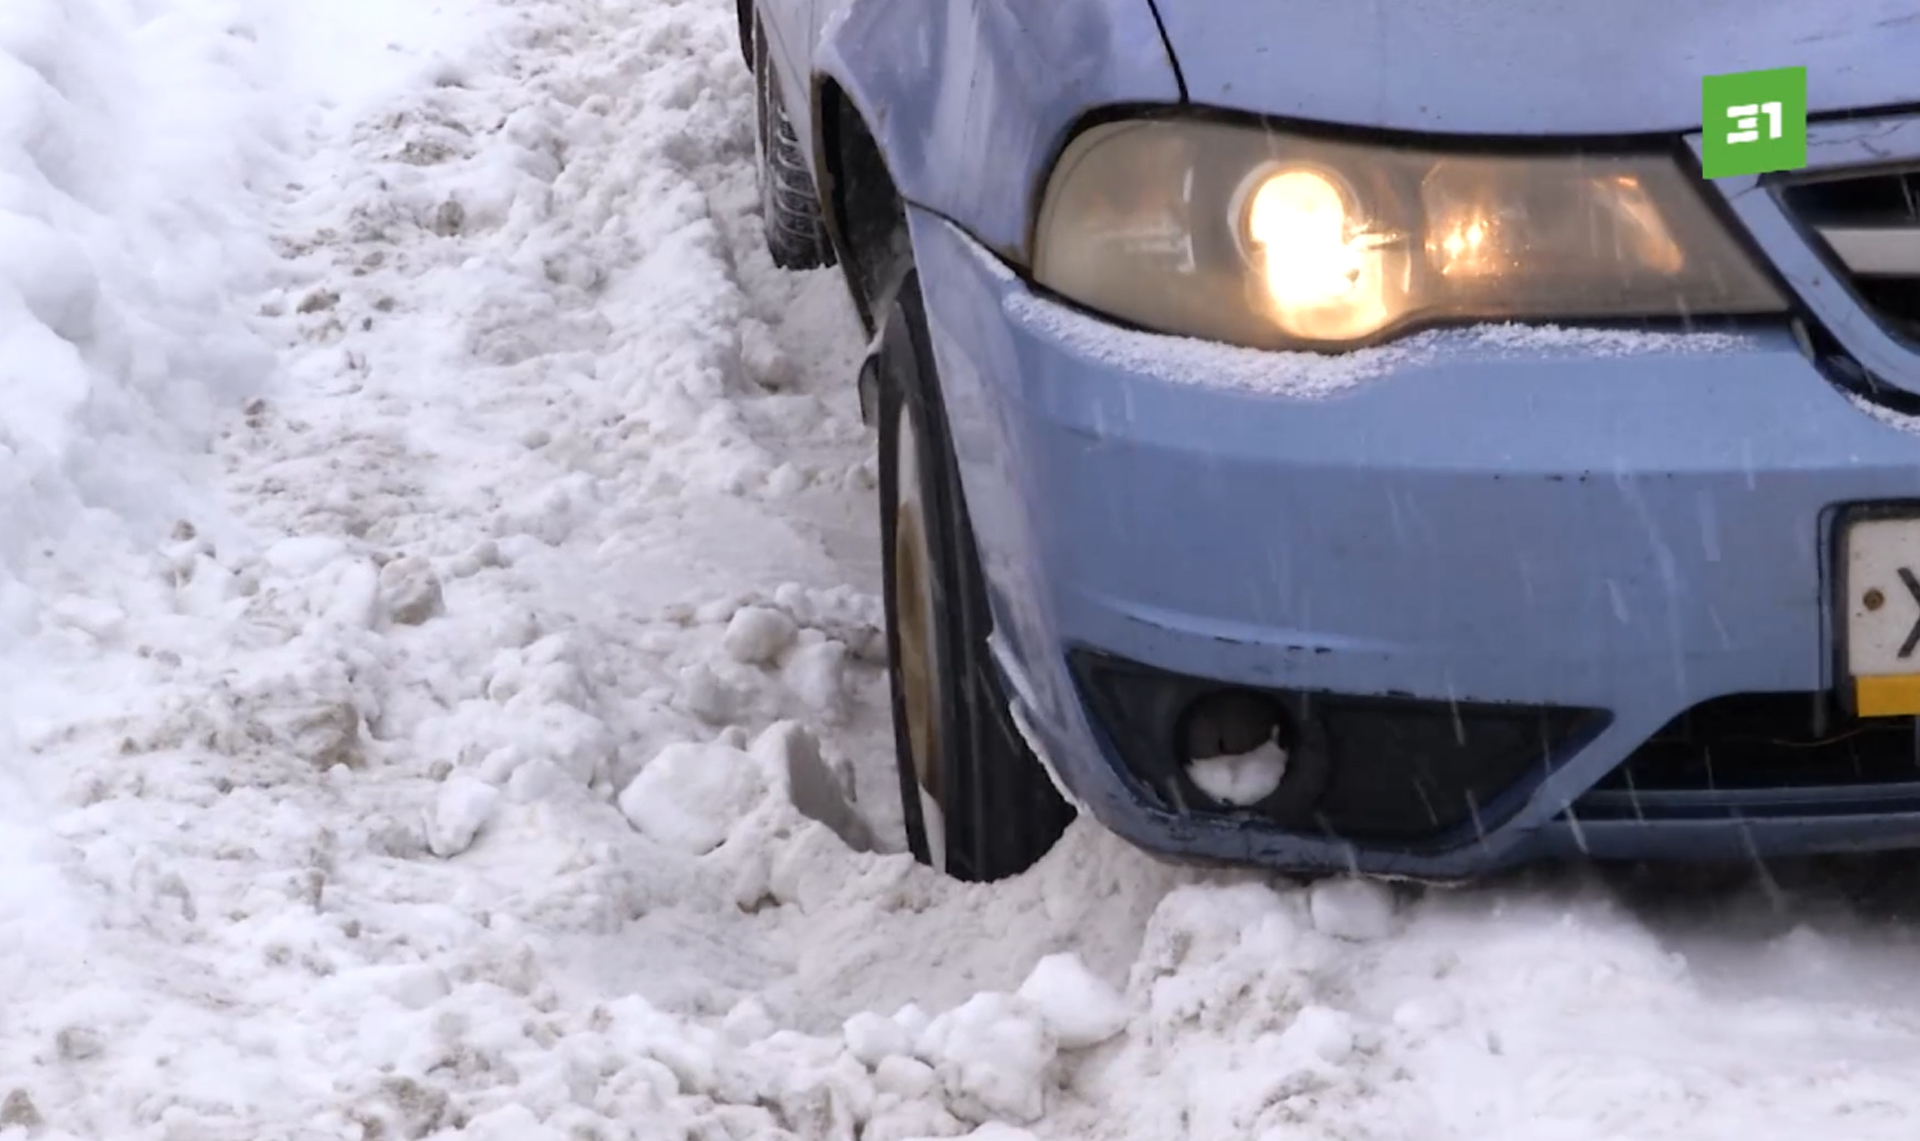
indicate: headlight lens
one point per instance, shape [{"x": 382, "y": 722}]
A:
[{"x": 1236, "y": 234}]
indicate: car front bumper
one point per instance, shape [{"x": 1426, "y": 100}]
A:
[{"x": 1627, "y": 525}]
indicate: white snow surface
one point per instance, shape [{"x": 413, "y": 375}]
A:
[
  {"x": 1241, "y": 778},
  {"x": 1309, "y": 376},
  {"x": 1887, "y": 416},
  {"x": 400, "y": 414}
]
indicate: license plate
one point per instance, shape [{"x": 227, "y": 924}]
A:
[{"x": 1882, "y": 605}]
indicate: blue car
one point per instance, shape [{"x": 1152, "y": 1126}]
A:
[{"x": 1356, "y": 436}]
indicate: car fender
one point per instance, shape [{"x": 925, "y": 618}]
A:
[{"x": 970, "y": 100}]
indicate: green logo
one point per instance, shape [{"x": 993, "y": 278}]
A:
[{"x": 1755, "y": 122}]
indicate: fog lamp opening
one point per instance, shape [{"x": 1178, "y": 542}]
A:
[{"x": 1236, "y": 747}]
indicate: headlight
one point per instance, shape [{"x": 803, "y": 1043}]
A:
[{"x": 1236, "y": 234}]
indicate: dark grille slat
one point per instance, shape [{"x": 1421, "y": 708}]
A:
[
  {"x": 1870, "y": 225},
  {"x": 1758, "y": 755}
]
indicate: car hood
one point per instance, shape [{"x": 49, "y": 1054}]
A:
[{"x": 1532, "y": 67}]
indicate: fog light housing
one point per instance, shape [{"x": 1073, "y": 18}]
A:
[
  {"x": 1385, "y": 773},
  {"x": 1246, "y": 750},
  {"x": 1235, "y": 746}
]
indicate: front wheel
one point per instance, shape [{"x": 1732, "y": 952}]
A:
[
  {"x": 977, "y": 803},
  {"x": 789, "y": 207}
]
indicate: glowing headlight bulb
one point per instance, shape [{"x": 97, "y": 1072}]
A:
[{"x": 1297, "y": 221}]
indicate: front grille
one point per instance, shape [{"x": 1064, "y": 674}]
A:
[
  {"x": 1870, "y": 226},
  {"x": 1759, "y": 755}
]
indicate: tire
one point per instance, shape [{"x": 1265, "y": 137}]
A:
[
  {"x": 977, "y": 803},
  {"x": 796, "y": 230}
]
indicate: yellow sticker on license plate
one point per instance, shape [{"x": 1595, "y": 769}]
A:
[
  {"x": 1887, "y": 696},
  {"x": 1882, "y": 608}
]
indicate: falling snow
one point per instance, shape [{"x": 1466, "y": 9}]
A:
[{"x": 437, "y": 569}]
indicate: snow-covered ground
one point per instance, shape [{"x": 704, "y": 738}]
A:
[{"x": 431, "y": 534}]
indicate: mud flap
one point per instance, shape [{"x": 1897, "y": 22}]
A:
[
  {"x": 870, "y": 382},
  {"x": 870, "y": 365},
  {"x": 1019, "y": 702}
]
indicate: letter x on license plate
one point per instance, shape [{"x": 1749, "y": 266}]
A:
[{"x": 1880, "y": 604}]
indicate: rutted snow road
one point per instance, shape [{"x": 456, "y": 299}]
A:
[{"x": 410, "y": 765}]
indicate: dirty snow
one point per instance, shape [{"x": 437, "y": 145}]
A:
[{"x": 437, "y": 555}]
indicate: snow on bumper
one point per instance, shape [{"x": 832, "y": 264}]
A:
[{"x": 1629, "y": 524}]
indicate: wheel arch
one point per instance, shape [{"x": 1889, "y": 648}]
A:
[
  {"x": 909, "y": 95},
  {"x": 865, "y": 211}
]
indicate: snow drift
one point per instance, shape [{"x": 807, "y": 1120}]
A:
[{"x": 130, "y": 135}]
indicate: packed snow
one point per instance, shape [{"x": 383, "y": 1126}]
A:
[
  {"x": 1241, "y": 778},
  {"x": 438, "y": 612}
]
